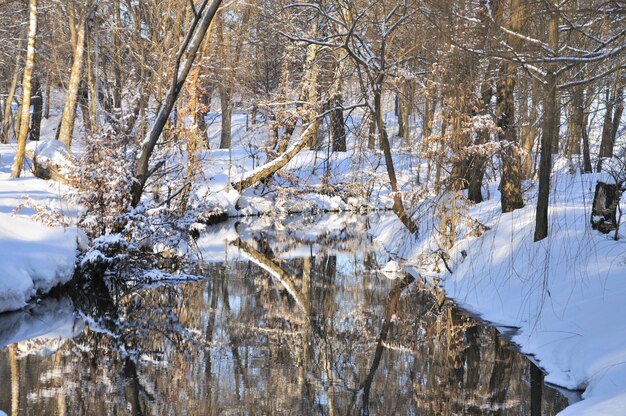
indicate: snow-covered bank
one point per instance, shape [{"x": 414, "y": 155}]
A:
[
  {"x": 565, "y": 293},
  {"x": 35, "y": 257}
]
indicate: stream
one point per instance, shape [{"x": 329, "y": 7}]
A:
[{"x": 290, "y": 317}]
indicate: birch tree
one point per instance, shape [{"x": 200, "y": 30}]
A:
[{"x": 16, "y": 170}]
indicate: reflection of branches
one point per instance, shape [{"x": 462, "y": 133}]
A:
[
  {"x": 276, "y": 272},
  {"x": 390, "y": 311}
]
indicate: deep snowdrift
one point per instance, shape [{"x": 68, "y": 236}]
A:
[{"x": 34, "y": 257}]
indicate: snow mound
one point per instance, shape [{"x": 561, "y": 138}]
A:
[
  {"x": 393, "y": 270},
  {"x": 48, "y": 152},
  {"x": 35, "y": 258}
]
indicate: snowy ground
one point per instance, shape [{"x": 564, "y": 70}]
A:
[
  {"x": 34, "y": 257},
  {"x": 565, "y": 294}
]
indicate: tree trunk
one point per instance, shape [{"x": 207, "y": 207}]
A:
[
  {"x": 405, "y": 100},
  {"x": 83, "y": 101},
  {"x": 549, "y": 134},
  {"x": 529, "y": 132},
  {"x": 575, "y": 124},
  {"x": 607, "y": 126},
  {"x": 617, "y": 116},
  {"x": 36, "y": 100},
  {"x": 71, "y": 98},
  {"x": 604, "y": 207},
  {"x": 371, "y": 134},
  {"x": 188, "y": 49},
  {"x": 264, "y": 171},
  {"x": 398, "y": 207},
  {"x": 8, "y": 114},
  {"x": 46, "y": 111},
  {"x": 511, "y": 180},
  {"x": 16, "y": 170},
  {"x": 476, "y": 167},
  {"x": 227, "y": 108},
  {"x": 337, "y": 125}
]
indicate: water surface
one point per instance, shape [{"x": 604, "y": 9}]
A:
[{"x": 292, "y": 317}]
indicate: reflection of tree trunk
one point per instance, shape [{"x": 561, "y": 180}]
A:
[
  {"x": 501, "y": 374},
  {"x": 15, "y": 382},
  {"x": 132, "y": 387},
  {"x": 275, "y": 271},
  {"x": 392, "y": 305},
  {"x": 234, "y": 345},
  {"x": 472, "y": 358},
  {"x": 536, "y": 387}
]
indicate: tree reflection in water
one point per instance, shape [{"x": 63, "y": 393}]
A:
[{"x": 292, "y": 323}]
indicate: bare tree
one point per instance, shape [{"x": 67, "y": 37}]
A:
[{"x": 16, "y": 170}]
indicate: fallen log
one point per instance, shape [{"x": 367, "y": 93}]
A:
[
  {"x": 49, "y": 160},
  {"x": 264, "y": 171}
]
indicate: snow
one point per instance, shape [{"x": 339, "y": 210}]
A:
[
  {"x": 49, "y": 152},
  {"x": 565, "y": 294},
  {"x": 35, "y": 257},
  {"x": 52, "y": 319},
  {"x": 392, "y": 270}
]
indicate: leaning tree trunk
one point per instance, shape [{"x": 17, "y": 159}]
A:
[
  {"x": 188, "y": 50},
  {"x": 398, "y": 207},
  {"x": 71, "y": 98},
  {"x": 271, "y": 167},
  {"x": 16, "y": 170}
]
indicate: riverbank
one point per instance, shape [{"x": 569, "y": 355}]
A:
[
  {"x": 35, "y": 256},
  {"x": 565, "y": 294}
]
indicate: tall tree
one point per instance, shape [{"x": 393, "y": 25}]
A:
[
  {"x": 16, "y": 170},
  {"x": 550, "y": 130},
  {"x": 203, "y": 16},
  {"x": 78, "y": 31},
  {"x": 511, "y": 177}
]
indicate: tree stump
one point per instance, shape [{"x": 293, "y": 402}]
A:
[{"x": 603, "y": 211}]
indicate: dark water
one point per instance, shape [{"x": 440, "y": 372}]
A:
[{"x": 286, "y": 321}]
